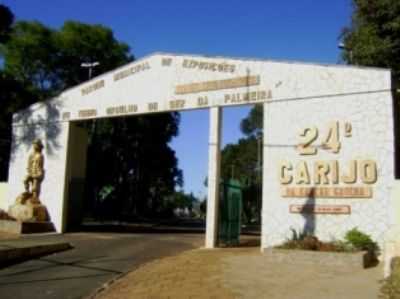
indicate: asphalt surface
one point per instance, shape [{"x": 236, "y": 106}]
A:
[{"x": 96, "y": 259}]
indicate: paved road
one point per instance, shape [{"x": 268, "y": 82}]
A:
[{"x": 96, "y": 259}]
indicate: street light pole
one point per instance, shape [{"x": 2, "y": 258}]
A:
[
  {"x": 342, "y": 46},
  {"x": 90, "y": 66},
  {"x": 259, "y": 172}
]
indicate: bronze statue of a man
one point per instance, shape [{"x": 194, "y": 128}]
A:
[{"x": 35, "y": 170}]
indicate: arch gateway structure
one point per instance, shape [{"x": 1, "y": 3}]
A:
[{"x": 329, "y": 138}]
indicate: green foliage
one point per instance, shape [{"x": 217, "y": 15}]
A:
[
  {"x": 138, "y": 167},
  {"x": 360, "y": 240},
  {"x": 13, "y": 96},
  {"x": 355, "y": 240},
  {"x": 181, "y": 200},
  {"x": 38, "y": 64},
  {"x": 240, "y": 161},
  {"x": 137, "y": 161},
  {"x": 48, "y": 61},
  {"x": 312, "y": 243},
  {"x": 306, "y": 243},
  {"x": 243, "y": 161},
  {"x": 343, "y": 246},
  {"x": 203, "y": 208},
  {"x": 105, "y": 192},
  {"x": 373, "y": 38},
  {"x": 77, "y": 42},
  {"x": 252, "y": 125},
  {"x": 176, "y": 204},
  {"x": 298, "y": 236},
  {"x": 6, "y": 20},
  {"x": 30, "y": 58}
]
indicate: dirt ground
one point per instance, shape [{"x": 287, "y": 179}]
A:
[{"x": 241, "y": 273}]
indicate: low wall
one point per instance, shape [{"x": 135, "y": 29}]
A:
[
  {"x": 352, "y": 261},
  {"x": 3, "y": 196}
]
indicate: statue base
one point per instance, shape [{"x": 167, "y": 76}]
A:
[
  {"x": 19, "y": 227},
  {"x": 26, "y": 216},
  {"x": 27, "y": 208}
]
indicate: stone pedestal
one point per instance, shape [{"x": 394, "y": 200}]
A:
[
  {"x": 27, "y": 215},
  {"x": 19, "y": 227},
  {"x": 27, "y": 208},
  {"x": 28, "y": 212}
]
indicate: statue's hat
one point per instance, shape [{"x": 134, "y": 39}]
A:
[{"x": 38, "y": 142}]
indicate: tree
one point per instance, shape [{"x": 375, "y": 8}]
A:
[
  {"x": 30, "y": 58},
  {"x": 241, "y": 162},
  {"x": 13, "y": 96},
  {"x": 137, "y": 161},
  {"x": 373, "y": 37},
  {"x": 77, "y": 42},
  {"x": 6, "y": 20},
  {"x": 252, "y": 125},
  {"x": 48, "y": 61},
  {"x": 181, "y": 202},
  {"x": 138, "y": 167}
]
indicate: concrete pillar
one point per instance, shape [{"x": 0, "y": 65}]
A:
[
  {"x": 213, "y": 177},
  {"x": 75, "y": 176}
]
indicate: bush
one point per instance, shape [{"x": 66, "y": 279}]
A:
[
  {"x": 360, "y": 240},
  {"x": 355, "y": 240},
  {"x": 306, "y": 241}
]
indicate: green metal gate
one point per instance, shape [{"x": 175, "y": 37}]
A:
[{"x": 230, "y": 213}]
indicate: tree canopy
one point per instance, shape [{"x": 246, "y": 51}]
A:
[
  {"x": 243, "y": 161},
  {"x": 373, "y": 37},
  {"x": 138, "y": 168},
  {"x": 78, "y": 42},
  {"x": 252, "y": 124},
  {"x": 6, "y": 20},
  {"x": 137, "y": 163},
  {"x": 240, "y": 161},
  {"x": 48, "y": 61}
]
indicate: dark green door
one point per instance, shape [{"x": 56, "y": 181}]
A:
[{"x": 230, "y": 212}]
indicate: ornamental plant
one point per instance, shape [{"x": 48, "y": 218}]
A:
[
  {"x": 360, "y": 240},
  {"x": 354, "y": 240}
]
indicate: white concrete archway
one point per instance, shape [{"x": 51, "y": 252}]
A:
[{"x": 352, "y": 104}]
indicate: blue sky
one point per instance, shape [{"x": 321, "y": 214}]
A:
[{"x": 303, "y": 30}]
